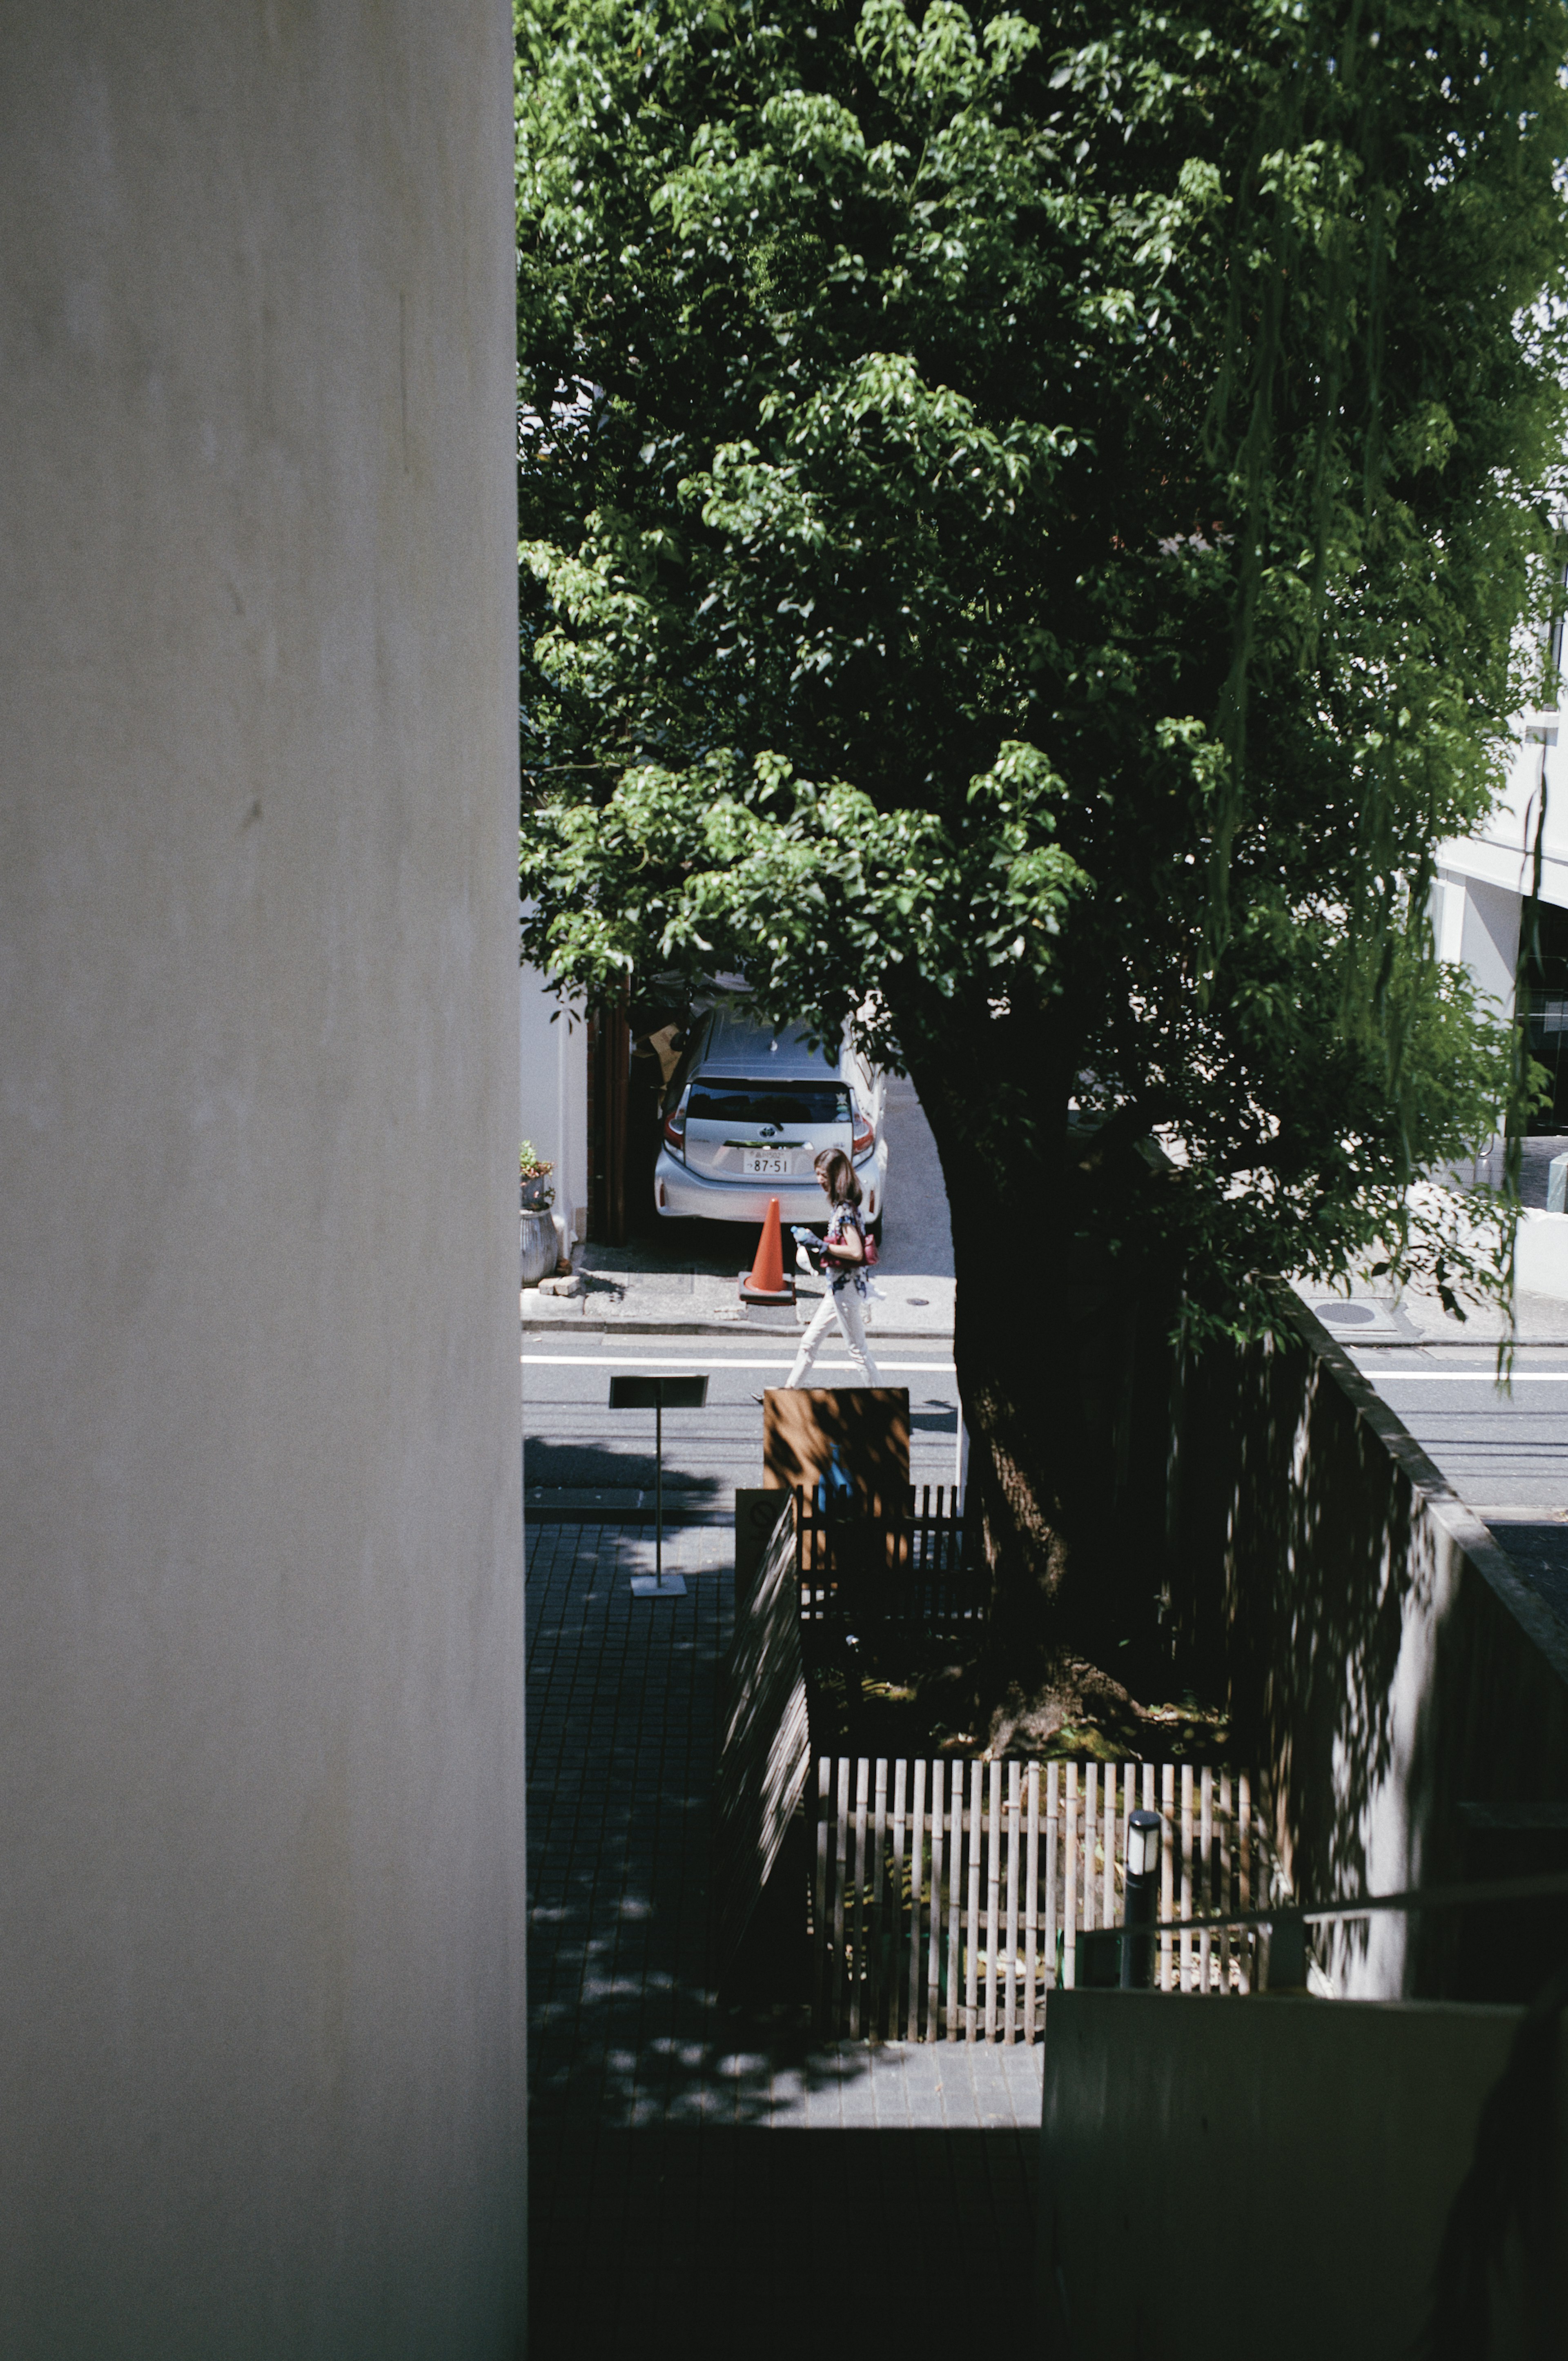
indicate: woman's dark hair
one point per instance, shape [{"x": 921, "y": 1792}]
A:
[{"x": 839, "y": 1174}]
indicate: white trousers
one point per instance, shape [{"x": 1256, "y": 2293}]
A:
[{"x": 846, "y": 1303}]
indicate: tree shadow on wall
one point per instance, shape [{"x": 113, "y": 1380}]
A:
[
  {"x": 1373, "y": 1670},
  {"x": 1301, "y": 1561}
]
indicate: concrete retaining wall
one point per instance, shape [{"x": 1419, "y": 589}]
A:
[
  {"x": 261, "y": 2070},
  {"x": 1381, "y": 1656},
  {"x": 1541, "y": 1256},
  {"x": 1271, "y": 2173}
]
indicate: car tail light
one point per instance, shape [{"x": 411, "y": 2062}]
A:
[
  {"x": 675, "y": 1126},
  {"x": 865, "y": 1137}
]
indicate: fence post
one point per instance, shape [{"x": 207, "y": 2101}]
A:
[
  {"x": 1069, "y": 1881},
  {"x": 1108, "y": 1841},
  {"x": 874, "y": 1935},
  {"x": 1205, "y": 1880},
  {"x": 895, "y": 1904},
  {"x": 1032, "y": 1903},
  {"x": 971, "y": 1913},
  {"x": 858, "y": 1908},
  {"x": 1167, "y": 1867},
  {"x": 955, "y": 1876},
  {"x": 1014, "y": 1846},
  {"x": 1243, "y": 1857},
  {"x": 1129, "y": 1805},
  {"x": 1053, "y": 1815},
  {"x": 916, "y": 1879},
  {"x": 1227, "y": 1901},
  {"x": 841, "y": 1866},
  {"x": 992, "y": 1901},
  {"x": 819, "y": 1909},
  {"x": 934, "y": 1967},
  {"x": 1186, "y": 1981}
]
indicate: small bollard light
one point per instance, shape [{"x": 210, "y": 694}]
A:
[{"x": 1146, "y": 1832}]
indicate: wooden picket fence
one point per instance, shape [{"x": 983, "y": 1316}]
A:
[
  {"x": 903, "y": 1565},
  {"x": 947, "y": 1897}
]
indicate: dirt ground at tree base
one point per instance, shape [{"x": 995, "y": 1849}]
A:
[{"x": 864, "y": 1703}]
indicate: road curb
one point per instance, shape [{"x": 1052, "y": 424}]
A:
[{"x": 741, "y": 1330}]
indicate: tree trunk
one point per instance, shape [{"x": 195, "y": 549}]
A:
[{"x": 1027, "y": 1289}]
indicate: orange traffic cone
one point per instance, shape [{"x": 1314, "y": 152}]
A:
[{"x": 767, "y": 1281}]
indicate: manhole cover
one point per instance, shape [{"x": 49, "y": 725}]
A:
[{"x": 1348, "y": 1316}]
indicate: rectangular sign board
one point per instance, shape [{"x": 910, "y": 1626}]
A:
[{"x": 658, "y": 1393}]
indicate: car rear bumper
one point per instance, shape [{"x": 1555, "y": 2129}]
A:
[{"x": 684, "y": 1195}]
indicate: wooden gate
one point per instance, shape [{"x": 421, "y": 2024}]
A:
[
  {"x": 907, "y": 1565},
  {"x": 949, "y": 1896}
]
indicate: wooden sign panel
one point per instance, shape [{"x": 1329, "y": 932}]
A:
[{"x": 812, "y": 1433}]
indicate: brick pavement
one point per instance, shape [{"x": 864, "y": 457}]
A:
[{"x": 660, "y": 2213}]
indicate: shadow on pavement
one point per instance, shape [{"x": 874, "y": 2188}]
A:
[
  {"x": 552, "y": 1467},
  {"x": 723, "y": 2243},
  {"x": 703, "y": 2181}
]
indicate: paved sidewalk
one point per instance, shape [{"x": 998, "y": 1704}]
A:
[
  {"x": 629, "y": 1289},
  {"x": 656, "y": 2196}
]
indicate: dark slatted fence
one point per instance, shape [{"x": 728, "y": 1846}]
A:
[{"x": 915, "y": 1562}]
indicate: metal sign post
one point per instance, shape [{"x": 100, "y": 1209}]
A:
[{"x": 654, "y": 1394}]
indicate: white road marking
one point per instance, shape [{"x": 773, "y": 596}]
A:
[
  {"x": 1463, "y": 1377},
  {"x": 715, "y": 1364}
]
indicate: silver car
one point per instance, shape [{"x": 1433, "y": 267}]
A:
[{"x": 748, "y": 1111}]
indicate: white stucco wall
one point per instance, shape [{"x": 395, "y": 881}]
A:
[
  {"x": 261, "y": 2030},
  {"x": 1535, "y": 801},
  {"x": 1489, "y": 944},
  {"x": 554, "y": 1068}
]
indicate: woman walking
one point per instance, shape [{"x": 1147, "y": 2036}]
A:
[{"x": 844, "y": 1267}]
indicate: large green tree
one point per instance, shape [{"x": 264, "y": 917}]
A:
[{"x": 1029, "y": 535}]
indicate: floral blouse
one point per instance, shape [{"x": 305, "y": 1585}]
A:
[{"x": 839, "y": 1276}]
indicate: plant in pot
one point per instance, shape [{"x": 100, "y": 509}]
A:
[
  {"x": 540, "y": 1245},
  {"x": 538, "y": 1195}
]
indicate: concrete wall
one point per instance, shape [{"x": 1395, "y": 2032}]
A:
[
  {"x": 1489, "y": 942},
  {"x": 1383, "y": 1660},
  {"x": 261, "y": 1671},
  {"x": 1271, "y": 2173},
  {"x": 553, "y": 1065},
  {"x": 1541, "y": 1254}
]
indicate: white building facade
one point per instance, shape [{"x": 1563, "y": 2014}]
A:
[
  {"x": 554, "y": 1096},
  {"x": 1486, "y": 885}
]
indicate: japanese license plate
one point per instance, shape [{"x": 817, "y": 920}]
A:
[{"x": 766, "y": 1168}]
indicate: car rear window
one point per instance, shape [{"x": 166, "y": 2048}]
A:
[{"x": 756, "y": 1103}]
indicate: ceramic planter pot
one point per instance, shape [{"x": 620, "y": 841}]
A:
[{"x": 539, "y": 1249}]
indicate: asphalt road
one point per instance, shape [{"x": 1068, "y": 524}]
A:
[
  {"x": 1503, "y": 1449},
  {"x": 580, "y": 1455}
]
